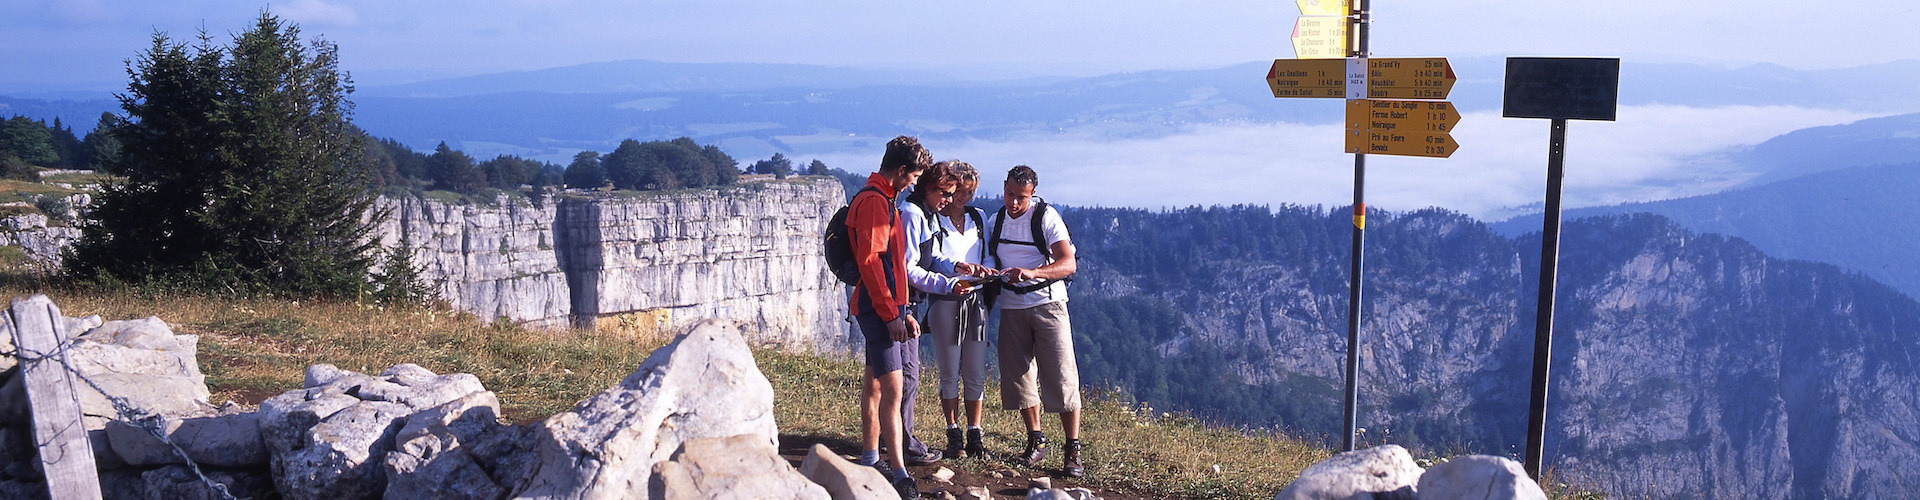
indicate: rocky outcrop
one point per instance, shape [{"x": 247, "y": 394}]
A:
[
  {"x": 38, "y": 241},
  {"x": 1385, "y": 472},
  {"x": 749, "y": 253},
  {"x": 1684, "y": 365},
  {"x": 844, "y": 480},
  {"x": 1479, "y": 476},
  {"x": 656, "y": 260},
  {"x": 331, "y": 440},
  {"x": 694, "y": 421},
  {"x": 743, "y": 466},
  {"x": 1389, "y": 472},
  {"x": 703, "y": 385}
]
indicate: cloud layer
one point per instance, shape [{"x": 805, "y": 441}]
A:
[{"x": 1650, "y": 153}]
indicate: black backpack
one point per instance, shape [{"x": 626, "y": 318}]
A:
[
  {"x": 1038, "y": 234},
  {"x": 839, "y": 244}
]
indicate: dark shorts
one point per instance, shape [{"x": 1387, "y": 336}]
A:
[{"x": 883, "y": 354}]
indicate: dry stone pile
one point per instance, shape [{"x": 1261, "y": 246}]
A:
[{"x": 694, "y": 421}]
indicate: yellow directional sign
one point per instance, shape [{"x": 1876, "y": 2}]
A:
[
  {"x": 1404, "y": 128},
  {"x": 1409, "y": 78},
  {"x": 1320, "y": 37},
  {"x": 1322, "y": 7},
  {"x": 1387, "y": 78},
  {"x": 1308, "y": 78}
]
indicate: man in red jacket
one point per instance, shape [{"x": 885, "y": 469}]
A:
[{"x": 880, "y": 304}]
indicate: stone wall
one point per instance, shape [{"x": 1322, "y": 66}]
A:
[{"x": 749, "y": 253}]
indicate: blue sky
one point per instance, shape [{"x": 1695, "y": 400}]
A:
[
  {"x": 386, "y": 41},
  {"x": 1652, "y": 153}
]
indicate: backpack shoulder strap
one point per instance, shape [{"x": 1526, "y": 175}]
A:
[
  {"x": 993, "y": 240},
  {"x": 1039, "y": 230},
  {"x": 978, "y": 225}
]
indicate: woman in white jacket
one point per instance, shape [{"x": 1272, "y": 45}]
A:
[{"x": 957, "y": 321}]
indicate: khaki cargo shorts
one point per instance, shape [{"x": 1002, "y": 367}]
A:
[{"x": 1036, "y": 359}]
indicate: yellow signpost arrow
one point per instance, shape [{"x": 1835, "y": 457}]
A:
[
  {"x": 1322, "y": 7},
  {"x": 1308, "y": 78},
  {"x": 1403, "y": 128},
  {"x": 1387, "y": 78},
  {"x": 1409, "y": 78},
  {"x": 1320, "y": 37}
]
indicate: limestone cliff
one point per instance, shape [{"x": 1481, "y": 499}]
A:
[{"x": 749, "y": 253}]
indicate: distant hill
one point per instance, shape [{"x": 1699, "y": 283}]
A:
[
  {"x": 754, "y": 110},
  {"x": 1888, "y": 140},
  {"x": 1864, "y": 219},
  {"x": 651, "y": 76}
]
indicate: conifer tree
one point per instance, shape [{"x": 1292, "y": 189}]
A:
[{"x": 243, "y": 172}]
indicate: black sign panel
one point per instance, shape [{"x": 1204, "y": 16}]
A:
[{"x": 1574, "y": 88}]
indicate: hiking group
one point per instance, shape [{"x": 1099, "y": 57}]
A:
[{"x": 908, "y": 242}]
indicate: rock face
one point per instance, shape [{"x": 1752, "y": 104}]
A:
[
  {"x": 1384, "y": 472},
  {"x": 1684, "y": 365},
  {"x": 749, "y": 253},
  {"x": 703, "y": 385},
  {"x": 41, "y": 243}
]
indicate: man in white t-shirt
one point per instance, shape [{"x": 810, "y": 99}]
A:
[{"x": 1037, "y": 370}]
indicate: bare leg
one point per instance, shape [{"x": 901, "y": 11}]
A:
[
  {"x": 1070, "y": 424},
  {"x": 952, "y": 409},
  {"x": 973, "y": 413},
  {"x": 890, "y": 431},
  {"x": 1031, "y": 416},
  {"x": 869, "y": 413}
]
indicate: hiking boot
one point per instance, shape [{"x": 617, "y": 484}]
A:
[
  {"x": 977, "y": 446},
  {"x": 955, "y": 442},
  {"x": 1036, "y": 450},
  {"x": 923, "y": 459},
  {"x": 1071, "y": 461},
  {"x": 906, "y": 488}
]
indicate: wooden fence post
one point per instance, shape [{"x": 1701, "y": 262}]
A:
[{"x": 39, "y": 332}]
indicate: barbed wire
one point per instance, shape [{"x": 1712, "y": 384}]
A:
[{"x": 150, "y": 422}]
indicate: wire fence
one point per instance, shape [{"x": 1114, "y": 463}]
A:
[{"x": 153, "y": 424}]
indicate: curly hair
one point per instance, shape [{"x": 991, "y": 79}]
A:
[
  {"x": 940, "y": 173},
  {"x": 1023, "y": 175}
]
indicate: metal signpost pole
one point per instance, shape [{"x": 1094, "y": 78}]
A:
[
  {"x": 1543, "y": 323},
  {"x": 1359, "y": 29}
]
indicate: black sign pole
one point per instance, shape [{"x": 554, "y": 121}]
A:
[
  {"x": 1358, "y": 27},
  {"x": 1543, "y": 323}
]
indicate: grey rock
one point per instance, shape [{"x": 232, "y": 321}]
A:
[
  {"x": 1080, "y": 493},
  {"x": 1047, "y": 494},
  {"x": 177, "y": 482},
  {"x": 331, "y": 441},
  {"x": 702, "y": 385},
  {"x": 1480, "y": 476},
  {"x": 1380, "y": 472},
  {"x": 43, "y": 244},
  {"x": 1042, "y": 483},
  {"x": 429, "y": 460},
  {"x": 120, "y": 484},
  {"x": 844, "y": 480},
  {"x": 743, "y": 466},
  {"x": 975, "y": 493},
  {"x": 342, "y": 456},
  {"x": 230, "y": 440},
  {"x": 142, "y": 361}
]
